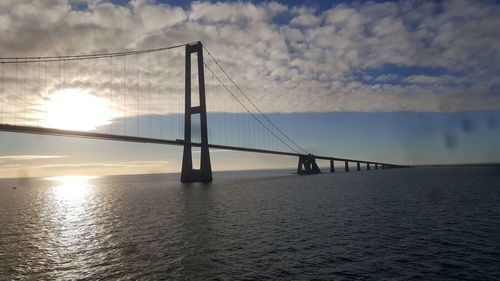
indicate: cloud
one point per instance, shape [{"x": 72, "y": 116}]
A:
[
  {"x": 304, "y": 17},
  {"x": 287, "y": 59},
  {"x": 27, "y": 157},
  {"x": 426, "y": 79},
  {"x": 103, "y": 168},
  {"x": 386, "y": 77},
  {"x": 70, "y": 165},
  {"x": 238, "y": 12},
  {"x": 101, "y": 165}
]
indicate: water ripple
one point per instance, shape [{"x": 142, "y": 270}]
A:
[{"x": 408, "y": 224}]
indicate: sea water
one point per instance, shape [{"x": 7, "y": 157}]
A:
[{"x": 434, "y": 223}]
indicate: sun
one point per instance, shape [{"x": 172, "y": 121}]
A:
[{"x": 74, "y": 109}]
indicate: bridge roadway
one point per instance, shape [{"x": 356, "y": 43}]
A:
[{"x": 93, "y": 135}]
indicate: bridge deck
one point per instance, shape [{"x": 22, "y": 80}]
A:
[{"x": 93, "y": 135}]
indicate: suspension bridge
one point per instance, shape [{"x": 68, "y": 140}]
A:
[{"x": 167, "y": 96}]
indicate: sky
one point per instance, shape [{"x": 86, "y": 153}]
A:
[{"x": 409, "y": 82}]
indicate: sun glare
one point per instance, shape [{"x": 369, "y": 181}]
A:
[
  {"x": 71, "y": 189},
  {"x": 73, "y": 109},
  {"x": 72, "y": 179}
]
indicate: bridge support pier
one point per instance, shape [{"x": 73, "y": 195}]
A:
[
  {"x": 309, "y": 164},
  {"x": 346, "y": 168},
  {"x": 332, "y": 167},
  {"x": 204, "y": 174},
  {"x": 358, "y": 166},
  {"x": 376, "y": 166},
  {"x": 368, "y": 166}
]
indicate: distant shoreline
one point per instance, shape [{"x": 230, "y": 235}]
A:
[{"x": 457, "y": 165}]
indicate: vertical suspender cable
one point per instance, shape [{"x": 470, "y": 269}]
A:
[
  {"x": 161, "y": 92},
  {"x": 149, "y": 93},
  {"x": 25, "y": 91},
  {"x": 137, "y": 92},
  {"x": 111, "y": 92},
  {"x": 38, "y": 90},
  {"x": 179, "y": 67},
  {"x": 16, "y": 97},
  {"x": 3, "y": 81},
  {"x": 124, "y": 100},
  {"x": 181, "y": 100},
  {"x": 59, "y": 75},
  {"x": 224, "y": 140},
  {"x": 219, "y": 104},
  {"x": 253, "y": 134},
  {"x": 226, "y": 118},
  {"x": 46, "y": 84},
  {"x": 161, "y": 89},
  {"x": 170, "y": 94},
  {"x": 3, "y": 97}
]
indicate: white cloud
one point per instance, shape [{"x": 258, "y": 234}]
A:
[
  {"x": 237, "y": 12},
  {"x": 101, "y": 165},
  {"x": 304, "y": 17},
  {"x": 103, "y": 168},
  {"x": 386, "y": 77},
  {"x": 27, "y": 157},
  {"x": 305, "y": 64},
  {"x": 422, "y": 79}
]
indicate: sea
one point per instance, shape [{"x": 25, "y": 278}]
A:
[{"x": 421, "y": 223}]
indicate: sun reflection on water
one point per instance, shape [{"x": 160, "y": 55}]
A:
[
  {"x": 71, "y": 188},
  {"x": 72, "y": 220}
]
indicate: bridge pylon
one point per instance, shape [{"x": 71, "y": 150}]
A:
[
  {"x": 188, "y": 174},
  {"x": 307, "y": 165}
]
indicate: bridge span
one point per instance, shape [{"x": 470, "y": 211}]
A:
[{"x": 302, "y": 168}]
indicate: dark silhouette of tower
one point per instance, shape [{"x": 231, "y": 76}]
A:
[
  {"x": 307, "y": 165},
  {"x": 204, "y": 174}
]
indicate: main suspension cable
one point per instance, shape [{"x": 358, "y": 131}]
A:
[
  {"x": 253, "y": 104},
  {"x": 253, "y": 115}
]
